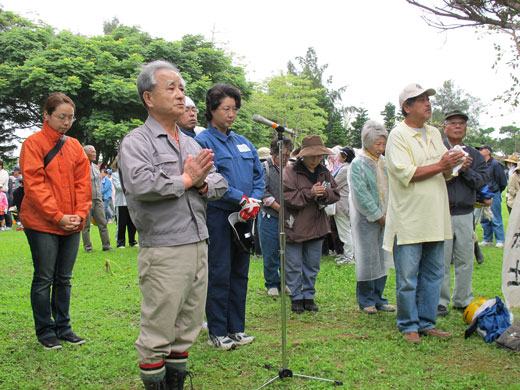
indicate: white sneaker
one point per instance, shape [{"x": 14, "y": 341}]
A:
[
  {"x": 241, "y": 338},
  {"x": 221, "y": 342},
  {"x": 345, "y": 260},
  {"x": 499, "y": 245},
  {"x": 485, "y": 243},
  {"x": 273, "y": 291}
]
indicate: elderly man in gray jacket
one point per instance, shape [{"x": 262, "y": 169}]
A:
[{"x": 167, "y": 179}]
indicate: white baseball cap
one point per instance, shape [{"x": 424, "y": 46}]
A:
[{"x": 413, "y": 90}]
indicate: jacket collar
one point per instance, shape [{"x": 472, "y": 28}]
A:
[
  {"x": 48, "y": 131},
  {"x": 217, "y": 134}
]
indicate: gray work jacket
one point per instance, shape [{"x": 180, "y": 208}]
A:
[{"x": 151, "y": 164}]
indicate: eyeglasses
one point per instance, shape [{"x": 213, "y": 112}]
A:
[
  {"x": 227, "y": 109},
  {"x": 192, "y": 109},
  {"x": 455, "y": 123},
  {"x": 63, "y": 118}
]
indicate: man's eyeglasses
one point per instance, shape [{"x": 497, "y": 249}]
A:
[
  {"x": 63, "y": 118},
  {"x": 192, "y": 109},
  {"x": 227, "y": 109},
  {"x": 455, "y": 123}
]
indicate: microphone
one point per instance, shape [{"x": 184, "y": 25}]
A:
[{"x": 260, "y": 119}]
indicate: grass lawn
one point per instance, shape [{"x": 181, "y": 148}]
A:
[{"x": 339, "y": 342}]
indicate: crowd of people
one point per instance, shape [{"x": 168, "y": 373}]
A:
[{"x": 193, "y": 196}]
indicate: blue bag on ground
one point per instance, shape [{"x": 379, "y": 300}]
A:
[{"x": 494, "y": 321}]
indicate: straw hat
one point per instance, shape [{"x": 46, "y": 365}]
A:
[
  {"x": 312, "y": 145},
  {"x": 513, "y": 158},
  {"x": 263, "y": 153}
]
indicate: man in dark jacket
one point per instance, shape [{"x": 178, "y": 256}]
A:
[
  {"x": 462, "y": 189},
  {"x": 497, "y": 183}
]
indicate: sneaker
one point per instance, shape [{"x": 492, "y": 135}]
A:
[
  {"x": 273, "y": 291},
  {"x": 485, "y": 243},
  {"x": 442, "y": 311},
  {"x": 499, "y": 245},
  {"x": 120, "y": 247},
  {"x": 73, "y": 339},
  {"x": 222, "y": 342},
  {"x": 2, "y": 228},
  {"x": 50, "y": 343},
  {"x": 344, "y": 260},
  {"x": 109, "y": 249},
  {"x": 134, "y": 244},
  {"x": 89, "y": 250},
  {"x": 241, "y": 338}
]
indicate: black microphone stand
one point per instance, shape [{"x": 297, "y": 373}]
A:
[{"x": 285, "y": 371}]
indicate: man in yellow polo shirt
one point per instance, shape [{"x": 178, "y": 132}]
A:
[{"x": 418, "y": 218}]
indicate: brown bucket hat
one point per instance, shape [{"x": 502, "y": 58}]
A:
[{"x": 312, "y": 145}]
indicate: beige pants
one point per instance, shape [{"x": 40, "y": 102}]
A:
[{"x": 173, "y": 282}]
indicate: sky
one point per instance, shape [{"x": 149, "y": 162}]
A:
[{"x": 373, "y": 47}]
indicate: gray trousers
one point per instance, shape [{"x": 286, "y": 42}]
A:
[
  {"x": 459, "y": 252},
  {"x": 302, "y": 264},
  {"x": 98, "y": 213}
]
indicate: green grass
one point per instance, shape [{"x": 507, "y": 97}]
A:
[{"x": 338, "y": 342}]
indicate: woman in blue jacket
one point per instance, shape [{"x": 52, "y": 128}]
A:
[{"x": 237, "y": 160}]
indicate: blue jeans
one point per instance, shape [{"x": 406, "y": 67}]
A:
[
  {"x": 419, "y": 271},
  {"x": 108, "y": 212},
  {"x": 370, "y": 293},
  {"x": 228, "y": 269},
  {"x": 302, "y": 264},
  {"x": 495, "y": 225},
  {"x": 270, "y": 244},
  {"x": 53, "y": 259}
]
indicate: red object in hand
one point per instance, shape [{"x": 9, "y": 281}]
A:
[{"x": 250, "y": 208}]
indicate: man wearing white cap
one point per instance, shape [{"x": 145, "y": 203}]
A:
[
  {"x": 418, "y": 218},
  {"x": 188, "y": 121}
]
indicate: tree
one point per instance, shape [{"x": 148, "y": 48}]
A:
[
  {"x": 354, "y": 134},
  {"x": 448, "y": 98},
  {"x": 500, "y": 16},
  {"x": 99, "y": 74},
  {"x": 330, "y": 99},
  {"x": 511, "y": 143},
  {"x": 389, "y": 116},
  {"x": 291, "y": 101}
]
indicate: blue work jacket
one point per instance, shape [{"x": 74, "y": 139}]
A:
[{"x": 237, "y": 160}]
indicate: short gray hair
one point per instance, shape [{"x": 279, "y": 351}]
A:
[
  {"x": 86, "y": 148},
  {"x": 372, "y": 130},
  {"x": 146, "y": 80}
]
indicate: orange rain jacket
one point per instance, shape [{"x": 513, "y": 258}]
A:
[{"x": 63, "y": 188}]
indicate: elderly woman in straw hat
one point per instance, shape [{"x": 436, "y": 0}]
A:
[
  {"x": 368, "y": 181},
  {"x": 308, "y": 188}
]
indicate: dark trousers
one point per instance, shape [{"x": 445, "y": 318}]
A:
[
  {"x": 228, "y": 267},
  {"x": 124, "y": 222},
  {"x": 53, "y": 259}
]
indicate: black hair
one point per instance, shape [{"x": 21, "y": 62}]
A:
[
  {"x": 287, "y": 143},
  {"x": 348, "y": 153},
  {"x": 408, "y": 102},
  {"x": 215, "y": 96}
]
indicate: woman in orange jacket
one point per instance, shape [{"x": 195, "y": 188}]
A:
[{"x": 56, "y": 202}]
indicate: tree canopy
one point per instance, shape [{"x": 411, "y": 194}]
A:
[
  {"x": 500, "y": 16},
  {"x": 99, "y": 73}
]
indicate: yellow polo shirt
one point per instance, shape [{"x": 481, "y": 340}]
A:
[{"x": 417, "y": 211}]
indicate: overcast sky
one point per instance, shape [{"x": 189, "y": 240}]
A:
[{"x": 374, "y": 47}]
